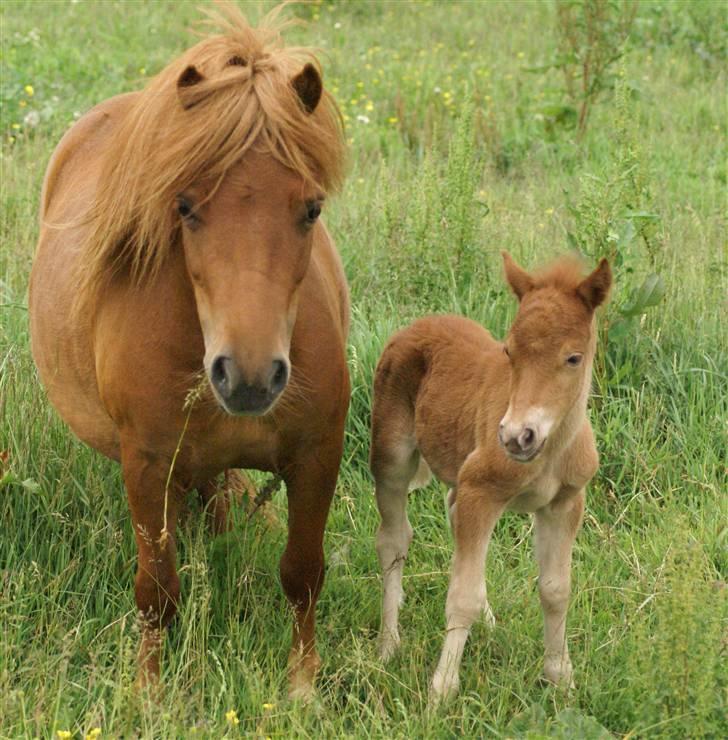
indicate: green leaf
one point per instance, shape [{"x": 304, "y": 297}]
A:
[
  {"x": 649, "y": 294},
  {"x": 620, "y": 329}
]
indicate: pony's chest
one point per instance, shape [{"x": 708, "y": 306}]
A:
[{"x": 537, "y": 494}]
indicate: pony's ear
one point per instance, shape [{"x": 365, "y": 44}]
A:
[
  {"x": 185, "y": 86},
  {"x": 594, "y": 289},
  {"x": 519, "y": 280},
  {"x": 308, "y": 86},
  {"x": 189, "y": 77}
]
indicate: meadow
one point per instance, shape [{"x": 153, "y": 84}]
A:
[{"x": 467, "y": 135}]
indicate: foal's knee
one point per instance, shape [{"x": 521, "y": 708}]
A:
[
  {"x": 554, "y": 593},
  {"x": 464, "y": 605}
]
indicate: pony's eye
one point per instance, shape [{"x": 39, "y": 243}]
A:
[
  {"x": 184, "y": 208},
  {"x": 574, "y": 360},
  {"x": 313, "y": 211}
]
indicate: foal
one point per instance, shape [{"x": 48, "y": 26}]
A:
[{"x": 505, "y": 425}]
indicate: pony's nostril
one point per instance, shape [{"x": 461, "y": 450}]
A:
[
  {"x": 219, "y": 374},
  {"x": 279, "y": 377}
]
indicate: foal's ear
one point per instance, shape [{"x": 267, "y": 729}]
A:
[
  {"x": 519, "y": 280},
  {"x": 594, "y": 289},
  {"x": 308, "y": 86}
]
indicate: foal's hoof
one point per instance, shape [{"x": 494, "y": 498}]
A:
[
  {"x": 388, "y": 645},
  {"x": 559, "y": 673},
  {"x": 444, "y": 688}
]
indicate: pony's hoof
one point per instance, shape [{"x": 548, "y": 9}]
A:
[{"x": 302, "y": 670}]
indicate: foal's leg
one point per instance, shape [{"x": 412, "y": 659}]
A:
[
  {"x": 450, "y": 500},
  {"x": 474, "y": 516},
  {"x": 555, "y": 531},
  {"x": 310, "y": 483},
  {"x": 394, "y": 462},
  {"x": 156, "y": 586}
]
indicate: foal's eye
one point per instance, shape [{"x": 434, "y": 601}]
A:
[
  {"x": 574, "y": 360},
  {"x": 313, "y": 211}
]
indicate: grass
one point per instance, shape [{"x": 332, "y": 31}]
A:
[{"x": 453, "y": 158}]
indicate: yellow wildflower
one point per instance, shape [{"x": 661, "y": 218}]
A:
[
  {"x": 520, "y": 55},
  {"x": 232, "y": 717},
  {"x": 16, "y": 126},
  {"x": 268, "y": 706},
  {"x": 29, "y": 91},
  {"x": 93, "y": 733},
  {"x": 370, "y": 106},
  {"x": 142, "y": 70},
  {"x": 393, "y": 119},
  {"x": 62, "y": 734},
  {"x": 549, "y": 211},
  {"x": 22, "y": 103}
]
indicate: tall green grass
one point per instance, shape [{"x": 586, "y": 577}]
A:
[{"x": 454, "y": 157}]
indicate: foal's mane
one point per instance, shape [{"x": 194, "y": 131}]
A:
[
  {"x": 181, "y": 130},
  {"x": 565, "y": 274}
]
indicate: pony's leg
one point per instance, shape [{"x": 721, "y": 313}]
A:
[
  {"x": 394, "y": 461},
  {"x": 216, "y": 498},
  {"x": 556, "y": 526},
  {"x": 475, "y": 514},
  {"x": 310, "y": 483},
  {"x": 156, "y": 585}
]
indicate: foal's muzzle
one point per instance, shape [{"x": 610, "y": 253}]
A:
[
  {"x": 241, "y": 396},
  {"x": 522, "y": 444}
]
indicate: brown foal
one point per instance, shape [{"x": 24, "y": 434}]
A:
[{"x": 503, "y": 424}]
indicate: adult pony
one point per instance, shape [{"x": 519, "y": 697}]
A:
[
  {"x": 505, "y": 425},
  {"x": 180, "y": 233}
]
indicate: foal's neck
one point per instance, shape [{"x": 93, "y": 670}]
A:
[{"x": 575, "y": 416}]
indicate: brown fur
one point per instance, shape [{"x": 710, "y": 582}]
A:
[
  {"x": 130, "y": 300},
  {"x": 446, "y": 395}
]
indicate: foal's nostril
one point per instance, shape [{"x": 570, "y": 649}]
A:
[
  {"x": 279, "y": 377},
  {"x": 527, "y": 439}
]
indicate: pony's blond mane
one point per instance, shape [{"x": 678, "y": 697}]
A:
[{"x": 175, "y": 136}]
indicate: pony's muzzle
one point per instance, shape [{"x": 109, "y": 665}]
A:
[{"x": 239, "y": 395}]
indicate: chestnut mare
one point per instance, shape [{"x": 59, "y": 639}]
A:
[
  {"x": 505, "y": 426},
  {"x": 179, "y": 232}
]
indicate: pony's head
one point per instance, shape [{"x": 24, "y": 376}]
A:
[
  {"x": 551, "y": 348},
  {"x": 227, "y": 155}
]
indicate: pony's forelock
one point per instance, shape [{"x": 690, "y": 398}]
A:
[{"x": 191, "y": 125}]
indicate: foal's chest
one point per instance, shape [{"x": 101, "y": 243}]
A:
[{"x": 537, "y": 494}]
